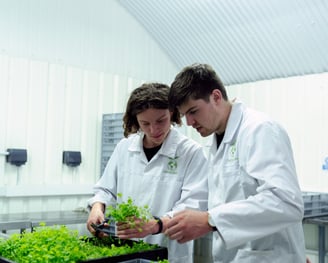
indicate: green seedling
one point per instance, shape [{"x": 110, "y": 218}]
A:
[
  {"x": 60, "y": 244},
  {"x": 127, "y": 212}
]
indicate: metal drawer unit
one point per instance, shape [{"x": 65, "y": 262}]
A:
[{"x": 112, "y": 133}]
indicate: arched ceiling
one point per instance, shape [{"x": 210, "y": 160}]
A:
[{"x": 244, "y": 40}]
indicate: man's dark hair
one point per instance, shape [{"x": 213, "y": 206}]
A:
[{"x": 195, "y": 82}]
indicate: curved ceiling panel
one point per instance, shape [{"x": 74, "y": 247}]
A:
[{"x": 243, "y": 40}]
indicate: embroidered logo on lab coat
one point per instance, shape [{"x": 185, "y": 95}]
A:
[
  {"x": 232, "y": 152},
  {"x": 172, "y": 165}
]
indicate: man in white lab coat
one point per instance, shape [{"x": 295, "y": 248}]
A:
[{"x": 255, "y": 203}]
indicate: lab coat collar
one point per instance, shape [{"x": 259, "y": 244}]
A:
[
  {"x": 170, "y": 145},
  {"x": 168, "y": 148},
  {"x": 234, "y": 120},
  {"x": 233, "y": 123}
]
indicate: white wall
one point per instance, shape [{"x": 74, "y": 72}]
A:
[
  {"x": 299, "y": 104},
  {"x": 95, "y": 34},
  {"x": 61, "y": 68}
]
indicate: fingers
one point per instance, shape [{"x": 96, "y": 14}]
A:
[
  {"x": 90, "y": 228},
  {"x": 94, "y": 220},
  {"x": 126, "y": 230},
  {"x": 137, "y": 229},
  {"x": 174, "y": 235},
  {"x": 95, "y": 217},
  {"x": 177, "y": 235},
  {"x": 100, "y": 234},
  {"x": 176, "y": 228},
  {"x": 130, "y": 233},
  {"x": 97, "y": 233},
  {"x": 122, "y": 226},
  {"x": 173, "y": 231},
  {"x": 173, "y": 222}
]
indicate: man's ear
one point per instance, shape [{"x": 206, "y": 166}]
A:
[{"x": 216, "y": 95}]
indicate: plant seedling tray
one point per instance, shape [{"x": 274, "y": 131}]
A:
[
  {"x": 139, "y": 260},
  {"x": 154, "y": 255},
  {"x": 4, "y": 260}
]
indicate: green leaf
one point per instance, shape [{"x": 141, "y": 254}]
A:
[{"x": 128, "y": 211}]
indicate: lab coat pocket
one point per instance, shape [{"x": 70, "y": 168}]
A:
[
  {"x": 230, "y": 167},
  {"x": 258, "y": 256},
  {"x": 230, "y": 183}
]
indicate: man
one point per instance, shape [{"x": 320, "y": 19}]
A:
[{"x": 255, "y": 205}]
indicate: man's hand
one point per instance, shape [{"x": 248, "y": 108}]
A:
[{"x": 188, "y": 225}]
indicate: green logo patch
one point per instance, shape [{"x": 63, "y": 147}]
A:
[{"x": 172, "y": 165}]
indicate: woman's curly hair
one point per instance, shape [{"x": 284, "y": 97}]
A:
[{"x": 147, "y": 96}]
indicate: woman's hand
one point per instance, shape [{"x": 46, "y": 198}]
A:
[
  {"x": 136, "y": 228},
  {"x": 96, "y": 216}
]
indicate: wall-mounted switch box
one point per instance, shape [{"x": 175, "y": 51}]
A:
[
  {"x": 16, "y": 156},
  {"x": 72, "y": 158}
]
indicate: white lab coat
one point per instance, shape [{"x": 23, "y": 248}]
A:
[
  {"x": 173, "y": 180},
  {"x": 254, "y": 196}
]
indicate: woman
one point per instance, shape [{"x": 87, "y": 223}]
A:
[{"x": 155, "y": 165}]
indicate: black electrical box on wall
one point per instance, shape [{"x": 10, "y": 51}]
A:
[
  {"x": 16, "y": 156},
  {"x": 72, "y": 158}
]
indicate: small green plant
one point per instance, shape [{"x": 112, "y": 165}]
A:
[
  {"x": 128, "y": 211},
  {"x": 59, "y": 244}
]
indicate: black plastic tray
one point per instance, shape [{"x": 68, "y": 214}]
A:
[
  {"x": 154, "y": 254},
  {"x": 4, "y": 260}
]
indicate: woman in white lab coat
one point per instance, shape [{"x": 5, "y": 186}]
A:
[
  {"x": 155, "y": 165},
  {"x": 255, "y": 203}
]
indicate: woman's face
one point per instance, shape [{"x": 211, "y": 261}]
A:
[{"x": 155, "y": 123}]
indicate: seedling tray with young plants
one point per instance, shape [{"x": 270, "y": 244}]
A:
[
  {"x": 60, "y": 244},
  {"x": 134, "y": 251}
]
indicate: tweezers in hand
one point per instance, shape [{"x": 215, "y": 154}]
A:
[{"x": 102, "y": 228}]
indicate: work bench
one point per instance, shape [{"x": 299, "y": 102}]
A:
[
  {"x": 316, "y": 213},
  {"x": 321, "y": 222},
  {"x": 27, "y": 221}
]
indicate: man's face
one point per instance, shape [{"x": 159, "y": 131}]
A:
[{"x": 201, "y": 115}]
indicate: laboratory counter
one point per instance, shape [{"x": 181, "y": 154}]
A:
[{"x": 24, "y": 221}]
